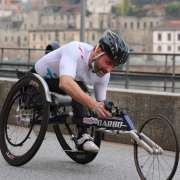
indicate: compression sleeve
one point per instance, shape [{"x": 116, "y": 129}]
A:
[
  {"x": 100, "y": 88},
  {"x": 69, "y": 59}
]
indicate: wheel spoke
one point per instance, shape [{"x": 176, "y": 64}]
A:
[
  {"x": 167, "y": 163},
  {"x": 146, "y": 161}
]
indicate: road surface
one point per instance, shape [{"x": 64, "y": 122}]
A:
[{"x": 114, "y": 162}]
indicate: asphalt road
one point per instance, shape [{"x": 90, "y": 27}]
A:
[{"x": 114, "y": 162}]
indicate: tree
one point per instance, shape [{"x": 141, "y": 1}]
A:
[
  {"x": 60, "y": 1},
  {"x": 121, "y": 9},
  {"x": 125, "y": 8},
  {"x": 172, "y": 9},
  {"x": 53, "y": 1},
  {"x": 138, "y": 12},
  {"x": 141, "y": 3},
  {"x": 116, "y": 10}
]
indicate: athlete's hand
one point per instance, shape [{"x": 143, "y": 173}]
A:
[{"x": 100, "y": 110}]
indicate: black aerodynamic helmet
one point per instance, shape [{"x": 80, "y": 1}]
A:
[{"x": 114, "y": 45}]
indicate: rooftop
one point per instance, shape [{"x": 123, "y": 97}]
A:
[{"x": 169, "y": 25}]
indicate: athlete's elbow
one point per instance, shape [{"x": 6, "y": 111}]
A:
[{"x": 63, "y": 83}]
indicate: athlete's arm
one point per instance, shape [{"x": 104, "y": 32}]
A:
[
  {"x": 100, "y": 88},
  {"x": 68, "y": 84}
]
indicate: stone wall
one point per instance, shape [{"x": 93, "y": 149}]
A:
[
  {"x": 5, "y": 86},
  {"x": 140, "y": 105}
]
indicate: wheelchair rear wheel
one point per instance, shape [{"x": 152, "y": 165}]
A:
[{"x": 24, "y": 121}]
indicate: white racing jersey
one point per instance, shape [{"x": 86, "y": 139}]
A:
[{"x": 72, "y": 59}]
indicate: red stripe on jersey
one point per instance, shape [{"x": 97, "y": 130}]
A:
[{"x": 81, "y": 52}]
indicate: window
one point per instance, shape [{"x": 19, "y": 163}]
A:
[
  {"x": 125, "y": 25},
  {"x": 12, "y": 38},
  {"x": 25, "y": 38},
  {"x": 101, "y": 24},
  {"x": 68, "y": 17},
  {"x": 159, "y": 48},
  {"x": 151, "y": 24},
  {"x": 93, "y": 37},
  {"x": 169, "y": 48},
  {"x": 19, "y": 41},
  {"x": 138, "y": 25},
  {"x": 178, "y": 37},
  {"x": 169, "y": 37},
  {"x": 41, "y": 37},
  {"x": 159, "y": 37},
  {"x": 34, "y": 37},
  {"x": 49, "y": 36},
  {"x": 144, "y": 25},
  {"x": 6, "y": 38},
  {"x": 178, "y": 48},
  {"x": 132, "y": 25},
  {"x": 25, "y": 26},
  {"x": 90, "y": 24}
]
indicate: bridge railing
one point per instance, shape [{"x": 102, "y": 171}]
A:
[
  {"x": 164, "y": 67},
  {"x": 142, "y": 71}
]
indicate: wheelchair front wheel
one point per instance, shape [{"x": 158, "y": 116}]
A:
[
  {"x": 158, "y": 166},
  {"x": 25, "y": 109}
]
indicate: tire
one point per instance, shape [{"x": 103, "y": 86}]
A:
[
  {"x": 158, "y": 166},
  {"x": 25, "y": 109},
  {"x": 65, "y": 132}
]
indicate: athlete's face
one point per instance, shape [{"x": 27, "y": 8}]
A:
[{"x": 104, "y": 64}]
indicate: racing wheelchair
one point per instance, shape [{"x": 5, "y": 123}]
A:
[{"x": 30, "y": 107}]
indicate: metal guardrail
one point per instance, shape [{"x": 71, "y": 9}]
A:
[{"x": 164, "y": 68}]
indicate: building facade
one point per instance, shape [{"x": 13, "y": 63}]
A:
[
  {"x": 99, "y": 6},
  {"x": 36, "y": 29},
  {"x": 39, "y": 38},
  {"x": 166, "y": 38},
  {"x": 136, "y": 31}
]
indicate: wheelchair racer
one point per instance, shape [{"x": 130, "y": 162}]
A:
[{"x": 68, "y": 69}]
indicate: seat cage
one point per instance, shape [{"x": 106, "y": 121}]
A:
[{"x": 58, "y": 98}]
